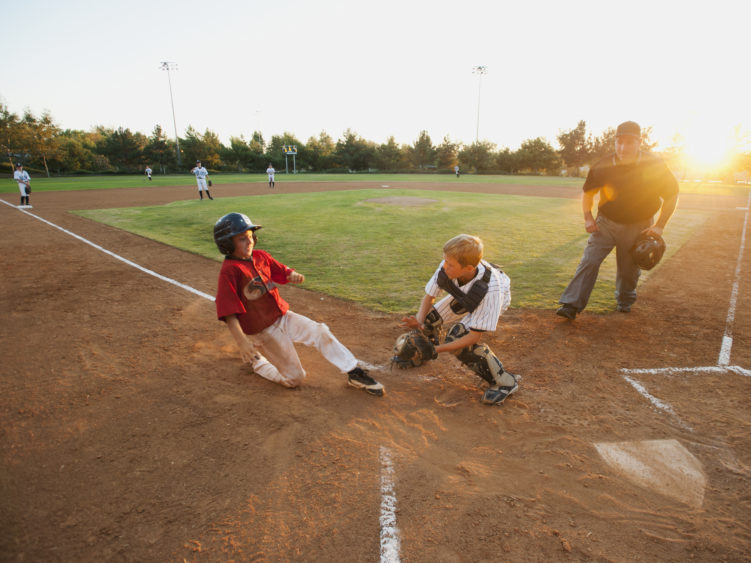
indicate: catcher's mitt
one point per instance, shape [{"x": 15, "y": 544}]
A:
[
  {"x": 210, "y": 184},
  {"x": 412, "y": 349}
]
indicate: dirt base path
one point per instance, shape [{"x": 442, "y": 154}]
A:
[{"x": 130, "y": 430}]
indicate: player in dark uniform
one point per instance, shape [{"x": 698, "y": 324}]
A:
[{"x": 633, "y": 186}]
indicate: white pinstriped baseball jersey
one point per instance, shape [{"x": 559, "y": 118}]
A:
[{"x": 492, "y": 306}]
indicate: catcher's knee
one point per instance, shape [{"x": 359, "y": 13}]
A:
[{"x": 480, "y": 359}]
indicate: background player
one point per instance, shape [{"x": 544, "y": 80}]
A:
[
  {"x": 478, "y": 294},
  {"x": 201, "y": 175},
  {"x": 260, "y": 321},
  {"x": 24, "y": 184},
  {"x": 148, "y": 173},
  {"x": 270, "y": 171}
]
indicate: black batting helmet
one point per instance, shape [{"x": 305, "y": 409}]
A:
[
  {"x": 648, "y": 250},
  {"x": 227, "y": 227}
]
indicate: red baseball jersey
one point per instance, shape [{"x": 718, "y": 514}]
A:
[{"x": 247, "y": 288}]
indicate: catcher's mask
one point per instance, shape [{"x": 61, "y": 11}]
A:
[
  {"x": 647, "y": 251},
  {"x": 230, "y": 225}
]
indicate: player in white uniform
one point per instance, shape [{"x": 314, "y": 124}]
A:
[
  {"x": 24, "y": 184},
  {"x": 270, "y": 171},
  {"x": 201, "y": 175},
  {"x": 478, "y": 294},
  {"x": 148, "y": 173}
]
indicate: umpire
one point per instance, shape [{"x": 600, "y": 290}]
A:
[{"x": 633, "y": 186}]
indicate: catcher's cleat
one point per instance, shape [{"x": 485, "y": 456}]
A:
[
  {"x": 567, "y": 311},
  {"x": 360, "y": 379},
  {"x": 496, "y": 394},
  {"x": 623, "y": 308}
]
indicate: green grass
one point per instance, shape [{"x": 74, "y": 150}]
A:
[
  {"x": 40, "y": 183},
  {"x": 381, "y": 255}
]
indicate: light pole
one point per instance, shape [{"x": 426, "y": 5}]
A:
[
  {"x": 166, "y": 65},
  {"x": 479, "y": 71}
]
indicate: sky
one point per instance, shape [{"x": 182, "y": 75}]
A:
[{"x": 386, "y": 68}]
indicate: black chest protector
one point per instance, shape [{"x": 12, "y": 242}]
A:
[{"x": 465, "y": 302}]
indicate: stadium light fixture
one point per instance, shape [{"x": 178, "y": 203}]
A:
[
  {"x": 166, "y": 65},
  {"x": 479, "y": 71}
]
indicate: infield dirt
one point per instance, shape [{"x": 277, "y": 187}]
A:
[{"x": 132, "y": 432}]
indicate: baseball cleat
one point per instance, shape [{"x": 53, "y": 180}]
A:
[
  {"x": 567, "y": 311},
  {"x": 623, "y": 308},
  {"x": 496, "y": 394},
  {"x": 360, "y": 379}
]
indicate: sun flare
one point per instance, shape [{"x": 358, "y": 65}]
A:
[
  {"x": 706, "y": 146},
  {"x": 707, "y": 152}
]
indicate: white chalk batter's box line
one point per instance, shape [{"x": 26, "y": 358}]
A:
[
  {"x": 699, "y": 370},
  {"x": 727, "y": 342}
]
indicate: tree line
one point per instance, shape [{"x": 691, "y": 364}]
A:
[{"x": 40, "y": 144}]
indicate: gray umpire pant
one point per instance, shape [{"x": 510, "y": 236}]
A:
[{"x": 611, "y": 235}]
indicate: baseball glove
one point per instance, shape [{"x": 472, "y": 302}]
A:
[
  {"x": 210, "y": 184},
  {"x": 28, "y": 189},
  {"x": 412, "y": 349}
]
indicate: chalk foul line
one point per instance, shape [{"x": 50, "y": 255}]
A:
[
  {"x": 116, "y": 256},
  {"x": 389, "y": 529}
]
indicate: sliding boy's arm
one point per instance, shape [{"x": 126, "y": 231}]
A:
[{"x": 247, "y": 350}]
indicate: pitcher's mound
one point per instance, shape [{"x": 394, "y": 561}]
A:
[{"x": 402, "y": 200}]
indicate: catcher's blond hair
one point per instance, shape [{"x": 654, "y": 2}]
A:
[{"x": 465, "y": 249}]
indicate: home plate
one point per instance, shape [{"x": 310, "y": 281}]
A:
[{"x": 664, "y": 466}]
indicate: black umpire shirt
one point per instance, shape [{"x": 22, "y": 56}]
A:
[{"x": 632, "y": 192}]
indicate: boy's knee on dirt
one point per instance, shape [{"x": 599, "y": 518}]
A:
[
  {"x": 480, "y": 359},
  {"x": 291, "y": 378}
]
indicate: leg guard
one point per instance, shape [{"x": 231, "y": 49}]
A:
[
  {"x": 481, "y": 359},
  {"x": 433, "y": 327}
]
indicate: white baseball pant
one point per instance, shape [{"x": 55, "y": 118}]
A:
[
  {"x": 201, "y": 184},
  {"x": 279, "y": 361}
]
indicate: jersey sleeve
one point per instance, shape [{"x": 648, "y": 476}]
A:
[
  {"x": 594, "y": 179},
  {"x": 662, "y": 177},
  {"x": 278, "y": 272},
  {"x": 228, "y": 300},
  {"x": 432, "y": 288}
]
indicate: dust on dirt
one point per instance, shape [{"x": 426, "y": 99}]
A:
[{"x": 132, "y": 432}]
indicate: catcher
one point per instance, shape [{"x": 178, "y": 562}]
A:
[{"x": 477, "y": 295}]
